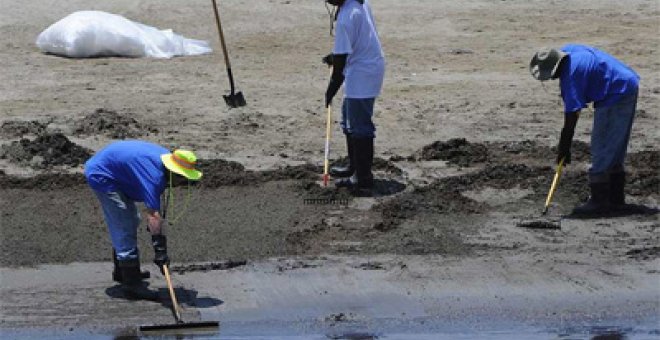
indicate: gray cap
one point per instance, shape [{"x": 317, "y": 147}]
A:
[{"x": 545, "y": 62}]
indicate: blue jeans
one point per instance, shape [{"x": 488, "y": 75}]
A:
[
  {"x": 123, "y": 220},
  {"x": 609, "y": 138},
  {"x": 356, "y": 117}
]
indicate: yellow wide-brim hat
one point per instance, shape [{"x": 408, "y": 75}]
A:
[{"x": 182, "y": 162}]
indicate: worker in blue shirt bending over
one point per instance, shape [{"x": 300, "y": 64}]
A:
[
  {"x": 359, "y": 64},
  {"x": 126, "y": 172},
  {"x": 588, "y": 75}
]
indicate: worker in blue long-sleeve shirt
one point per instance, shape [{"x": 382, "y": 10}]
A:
[
  {"x": 126, "y": 172},
  {"x": 588, "y": 75}
]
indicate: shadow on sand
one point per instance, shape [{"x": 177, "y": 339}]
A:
[
  {"x": 184, "y": 296},
  {"x": 626, "y": 210}
]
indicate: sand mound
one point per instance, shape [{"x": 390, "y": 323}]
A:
[
  {"x": 17, "y": 128},
  {"x": 456, "y": 151},
  {"x": 46, "y": 151},
  {"x": 112, "y": 124}
]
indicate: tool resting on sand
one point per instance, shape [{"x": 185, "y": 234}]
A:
[{"x": 233, "y": 99}]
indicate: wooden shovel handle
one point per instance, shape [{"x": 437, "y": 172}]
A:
[{"x": 222, "y": 36}]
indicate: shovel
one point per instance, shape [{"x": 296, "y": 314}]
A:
[{"x": 233, "y": 99}]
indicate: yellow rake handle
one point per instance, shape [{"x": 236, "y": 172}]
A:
[
  {"x": 327, "y": 146},
  {"x": 553, "y": 187},
  {"x": 175, "y": 305}
]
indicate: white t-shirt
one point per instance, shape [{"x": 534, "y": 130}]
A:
[{"x": 356, "y": 35}]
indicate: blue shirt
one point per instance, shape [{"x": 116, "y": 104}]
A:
[
  {"x": 590, "y": 75},
  {"x": 133, "y": 168},
  {"x": 356, "y": 35}
]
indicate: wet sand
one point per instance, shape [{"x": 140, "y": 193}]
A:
[{"x": 379, "y": 295}]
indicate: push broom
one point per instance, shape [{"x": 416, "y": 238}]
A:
[{"x": 179, "y": 327}]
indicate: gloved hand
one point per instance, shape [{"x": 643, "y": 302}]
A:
[
  {"x": 328, "y": 98},
  {"x": 333, "y": 88},
  {"x": 564, "y": 148},
  {"x": 160, "y": 251},
  {"x": 328, "y": 59}
]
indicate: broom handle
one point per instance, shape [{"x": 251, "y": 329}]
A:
[
  {"x": 553, "y": 187},
  {"x": 175, "y": 305}
]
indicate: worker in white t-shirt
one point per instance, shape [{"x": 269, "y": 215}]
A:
[{"x": 358, "y": 63}]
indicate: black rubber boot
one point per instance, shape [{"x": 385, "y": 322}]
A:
[
  {"x": 351, "y": 180},
  {"x": 617, "y": 184},
  {"x": 364, "y": 159},
  {"x": 347, "y": 182},
  {"x": 116, "y": 272},
  {"x": 348, "y": 169},
  {"x": 132, "y": 284},
  {"x": 598, "y": 204}
]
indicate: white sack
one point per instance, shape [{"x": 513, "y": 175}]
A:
[{"x": 93, "y": 33}]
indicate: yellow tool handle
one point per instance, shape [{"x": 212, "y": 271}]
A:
[
  {"x": 175, "y": 305},
  {"x": 553, "y": 187},
  {"x": 327, "y": 141},
  {"x": 328, "y": 129}
]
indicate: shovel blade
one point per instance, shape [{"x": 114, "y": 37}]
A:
[{"x": 235, "y": 99}]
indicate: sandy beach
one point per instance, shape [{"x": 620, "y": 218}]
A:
[{"x": 453, "y": 241}]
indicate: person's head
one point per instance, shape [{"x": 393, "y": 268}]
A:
[
  {"x": 545, "y": 64},
  {"x": 182, "y": 162}
]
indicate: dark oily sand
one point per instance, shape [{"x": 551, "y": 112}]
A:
[
  {"x": 239, "y": 214},
  {"x": 456, "y": 151},
  {"x": 539, "y": 224},
  {"x": 461, "y": 152},
  {"x": 45, "y": 151},
  {"x": 204, "y": 267},
  {"x": 19, "y": 128},
  {"x": 113, "y": 124}
]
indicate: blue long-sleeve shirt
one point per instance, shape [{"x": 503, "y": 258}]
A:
[
  {"x": 591, "y": 75},
  {"x": 133, "y": 168}
]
